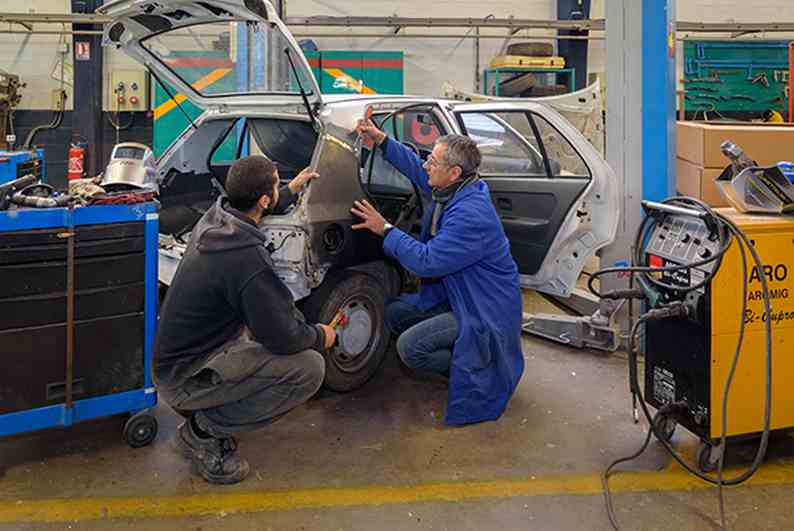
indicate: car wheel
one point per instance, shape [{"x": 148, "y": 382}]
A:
[
  {"x": 162, "y": 291},
  {"x": 531, "y": 49},
  {"x": 362, "y": 341}
]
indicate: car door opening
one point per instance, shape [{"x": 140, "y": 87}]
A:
[
  {"x": 401, "y": 203},
  {"x": 289, "y": 143},
  {"x": 535, "y": 177}
]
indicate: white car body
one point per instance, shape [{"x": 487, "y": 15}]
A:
[{"x": 586, "y": 203}]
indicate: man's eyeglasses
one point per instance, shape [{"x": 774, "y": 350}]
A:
[{"x": 432, "y": 161}]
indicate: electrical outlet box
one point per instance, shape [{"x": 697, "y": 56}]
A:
[{"x": 128, "y": 91}]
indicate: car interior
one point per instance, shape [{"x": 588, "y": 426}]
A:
[
  {"x": 402, "y": 203},
  {"x": 186, "y": 196}
]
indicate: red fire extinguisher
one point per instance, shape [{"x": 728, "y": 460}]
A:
[{"x": 76, "y": 162}]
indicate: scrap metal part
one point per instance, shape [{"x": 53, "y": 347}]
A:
[
  {"x": 583, "y": 108},
  {"x": 597, "y": 331}
]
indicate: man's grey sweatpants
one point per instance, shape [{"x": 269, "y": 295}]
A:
[{"x": 243, "y": 387}]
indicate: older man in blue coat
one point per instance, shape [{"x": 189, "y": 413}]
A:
[{"x": 466, "y": 319}]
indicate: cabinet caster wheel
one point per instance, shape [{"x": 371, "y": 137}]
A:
[
  {"x": 664, "y": 427},
  {"x": 707, "y": 459},
  {"x": 140, "y": 430}
]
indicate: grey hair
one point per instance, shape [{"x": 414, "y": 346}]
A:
[{"x": 461, "y": 151}]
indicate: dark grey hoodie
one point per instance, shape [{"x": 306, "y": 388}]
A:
[{"x": 226, "y": 282}]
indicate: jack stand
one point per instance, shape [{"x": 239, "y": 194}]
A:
[{"x": 596, "y": 331}]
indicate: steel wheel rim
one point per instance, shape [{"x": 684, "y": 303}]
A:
[{"x": 358, "y": 339}]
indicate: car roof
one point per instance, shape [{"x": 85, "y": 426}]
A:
[
  {"x": 339, "y": 98},
  {"x": 332, "y": 99}
]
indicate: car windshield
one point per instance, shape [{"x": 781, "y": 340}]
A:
[{"x": 216, "y": 61}]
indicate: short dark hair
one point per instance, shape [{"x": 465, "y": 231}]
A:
[{"x": 248, "y": 180}]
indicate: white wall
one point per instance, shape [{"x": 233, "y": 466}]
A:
[
  {"x": 429, "y": 62},
  {"x": 33, "y": 57}
]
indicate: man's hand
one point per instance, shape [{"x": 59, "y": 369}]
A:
[
  {"x": 373, "y": 220},
  {"x": 297, "y": 184},
  {"x": 369, "y": 132},
  {"x": 330, "y": 335}
]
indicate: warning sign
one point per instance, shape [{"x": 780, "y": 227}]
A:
[{"x": 82, "y": 51}]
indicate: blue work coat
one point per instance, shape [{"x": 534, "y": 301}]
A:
[{"x": 470, "y": 258}]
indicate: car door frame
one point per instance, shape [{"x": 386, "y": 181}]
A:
[
  {"x": 383, "y": 106},
  {"x": 592, "y": 219}
]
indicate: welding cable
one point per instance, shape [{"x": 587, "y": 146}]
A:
[
  {"x": 731, "y": 228},
  {"x": 643, "y": 232},
  {"x": 724, "y": 236},
  {"x": 41, "y": 202}
]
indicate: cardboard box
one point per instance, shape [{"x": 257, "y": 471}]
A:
[
  {"x": 767, "y": 144},
  {"x": 698, "y": 182}
]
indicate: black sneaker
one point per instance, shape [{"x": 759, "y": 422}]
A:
[
  {"x": 185, "y": 441},
  {"x": 218, "y": 466},
  {"x": 213, "y": 458}
]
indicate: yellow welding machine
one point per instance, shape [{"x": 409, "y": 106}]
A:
[{"x": 688, "y": 361}]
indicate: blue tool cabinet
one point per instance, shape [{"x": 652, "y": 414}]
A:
[
  {"x": 16, "y": 164},
  {"x": 78, "y": 312}
]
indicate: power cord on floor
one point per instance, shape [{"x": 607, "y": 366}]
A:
[{"x": 728, "y": 231}]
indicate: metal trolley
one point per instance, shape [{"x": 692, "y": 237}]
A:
[{"x": 78, "y": 312}]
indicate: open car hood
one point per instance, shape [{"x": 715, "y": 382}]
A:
[{"x": 201, "y": 49}]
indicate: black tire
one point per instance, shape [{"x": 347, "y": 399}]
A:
[
  {"x": 531, "y": 49},
  {"x": 704, "y": 459},
  {"x": 394, "y": 280},
  {"x": 664, "y": 427},
  {"x": 541, "y": 91},
  {"x": 517, "y": 85},
  {"x": 357, "y": 357},
  {"x": 140, "y": 430}
]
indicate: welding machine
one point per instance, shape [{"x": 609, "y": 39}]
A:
[
  {"x": 688, "y": 359},
  {"x": 715, "y": 293},
  {"x": 17, "y": 164}
]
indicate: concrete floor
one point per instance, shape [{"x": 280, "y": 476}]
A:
[{"x": 381, "y": 459}]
